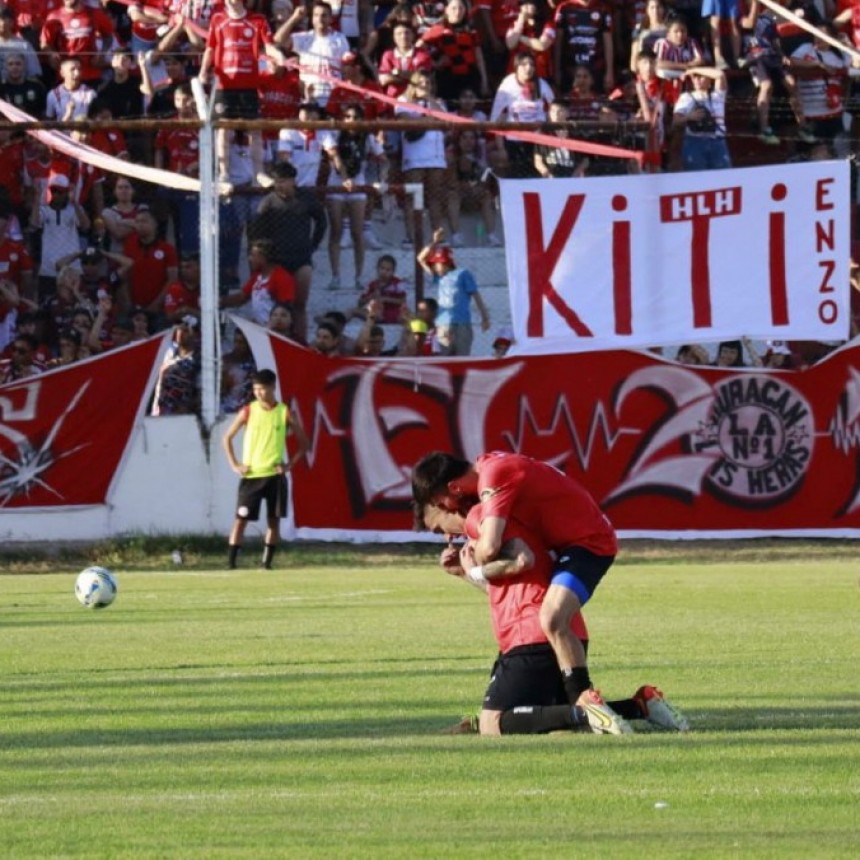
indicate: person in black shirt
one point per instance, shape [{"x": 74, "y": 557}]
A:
[
  {"x": 294, "y": 220},
  {"x": 27, "y": 94}
]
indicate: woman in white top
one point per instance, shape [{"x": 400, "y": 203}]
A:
[
  {"x": 701, "y": 115},
  {"x": 348, "y": 153},
  {"x": 423, "y": 151}
]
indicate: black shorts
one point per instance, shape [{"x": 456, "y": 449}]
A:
[
  {"x": 527, "y": 675},
  {"x": 252, "y": 492},
  {"x": 236, "y": 104},
  {"x": 293, "y": 264},
  {"x": 580, "y": 571}
]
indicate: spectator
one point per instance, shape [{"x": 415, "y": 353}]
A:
[
  {"x": 280, "y": 94},
  {"x": 521, "y": 97},
  {"x": 423, "y": 152},
  {"x": 182, "y": 297},
  {"x": 119, "y": 217},
  {"x": 303, "y": 149},
  {"x": 145, "y": 24},
  {"x": 822, "y": 73},
  {"x": 12, "y": 45},
  {"x": 730, "y": 353},
  {"x": 61, "y": 222},
  {"x": 426, "y": 311},
  {"x": 176, "y": 149},
  {"x": 692, "y": 353},
  {"x": 121, "y": 91},
  {"x": 22, "y": 364},
  {"x": 281, "y": 320},
  {"x": 236, "y": 44},
  {"x": 357, "y": 73},
  {"x": 652, "y": 26},
  {"x": 699, "y": 119},
  {"x": 320, "y": 50},
  {"x": 345, "y": 343},
  {"x": 503, "y": 342},
  {"x": 398, "y": 63},
  {"x": 585, "y": 38},
  {"x": 177, "y": 391},
  {"x": 456, "y": 288},
  {"x": 387, "y": 290},
  {"x": 66, "y": 299},
  {"x": 155, "y": 263},
  {"x": 36, "y": 324},
  {"x": 237, "y": 210},
  {"x": 676, "y": 54},
  {"x": 159, "y": 100},
  {"x": 327, "y": 341},
  {"x": 295, "y": 221},
  {"x": 768, "y": 69},
  {"x": 531, "y": 33},
  {"x": 723, "y": 15},
  {"x": 778, "y": 356},
  {"x": 470, "y": 190},
  {"x": 237, "y": 368},
  {"x": 269, "y": 284},
  {"x": 652, "y": 109},
  {"x": 457, "y": 55},
  {"x": 68, "y": 351},
  {"x": 555, "y": 162},
  {"x": 77, "y": 31},
  {"x": 370, "y": 342},
  {"x": 71, "y": 98},
  {"x": 16, "y": 266},
  {"x": 26, "y": 93},
  {"x": 348, "y": 154}
]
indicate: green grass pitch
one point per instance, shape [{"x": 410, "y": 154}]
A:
[{"x": 298, "y": 713}]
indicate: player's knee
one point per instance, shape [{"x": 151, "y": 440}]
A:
[{"x": 554, "y": 621}]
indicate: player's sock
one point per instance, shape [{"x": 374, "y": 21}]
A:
[
  {"x": 576, "y": 682},
  {"x": 268, "y": 555},
  {"x": 232, "y": 555},
  {"x": 627, "y": 708},
  {"x": 535, "y": 720}
]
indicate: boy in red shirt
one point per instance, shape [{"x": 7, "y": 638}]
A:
[{"x": 236, "y": 43}]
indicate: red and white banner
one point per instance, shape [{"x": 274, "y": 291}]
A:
[
  {"x": 63, "y": 434},
  {"x": 666, "y": 449},
  {"x": 661, "y": 259}
]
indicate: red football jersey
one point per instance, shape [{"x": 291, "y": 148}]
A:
[
  {"x": 515, "y": 601},
  {"x": 238, "y": 45},
  {"x": 554, "y": 507},
  {"x": 75, "y": 33}
]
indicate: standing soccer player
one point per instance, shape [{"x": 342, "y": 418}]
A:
[
  {"x": 267, "y": 424},
  {"x": 237, "y": 41},
  {"x": 562, "y": 515}
]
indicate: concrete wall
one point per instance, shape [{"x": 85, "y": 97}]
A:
[{"x": 167, "y": 485}]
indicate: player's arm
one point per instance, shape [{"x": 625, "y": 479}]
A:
[
  {"x": 489, "y": 543},
  {"x": 238, "y": 423},
  {"x": 303, "y": 444},
  {"x": 515, "y": 557}
]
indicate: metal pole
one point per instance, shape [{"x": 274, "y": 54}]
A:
[{"x": 210, "y": 348}]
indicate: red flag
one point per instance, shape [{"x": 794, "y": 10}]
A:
[{"x": 63, "y": 434}]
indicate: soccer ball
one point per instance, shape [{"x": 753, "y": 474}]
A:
[{"x": 96, "y": 587}]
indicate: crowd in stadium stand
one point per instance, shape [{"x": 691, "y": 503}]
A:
[{"x": 90, "y": 260}]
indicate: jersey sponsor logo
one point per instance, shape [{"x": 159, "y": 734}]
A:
[{"x": 488, "y": 493}]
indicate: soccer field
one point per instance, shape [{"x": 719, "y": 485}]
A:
[{"x": 298, "y": 713}]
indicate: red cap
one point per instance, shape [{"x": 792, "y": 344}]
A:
[{"x": 441, "y": 254}]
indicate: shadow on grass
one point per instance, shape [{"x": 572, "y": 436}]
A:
[{"x": 720, "y": 728}]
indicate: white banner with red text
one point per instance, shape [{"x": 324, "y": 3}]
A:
[
  {"x": 64, "y": 434},
  {"x": 666, "y": 449},
  {"x": 638, "y": 261}
]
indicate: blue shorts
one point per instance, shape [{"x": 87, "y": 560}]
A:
[
  {"x": 725, "y": 9},
  {"x": 580, "y": 571}
]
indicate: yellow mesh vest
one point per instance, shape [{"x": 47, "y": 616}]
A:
[{"x": 265, "y": 440}]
